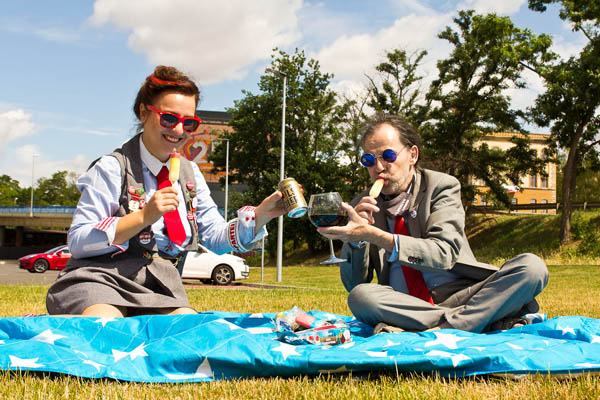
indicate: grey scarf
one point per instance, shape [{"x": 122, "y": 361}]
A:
[{"x": 399, "y": 204}]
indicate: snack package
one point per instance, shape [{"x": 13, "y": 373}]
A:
[
  {"x": 328, "y": 335},
  {"x": 296, "y": 319}
]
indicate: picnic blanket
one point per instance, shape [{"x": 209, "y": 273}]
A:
[{"x": 221, "y": 345}]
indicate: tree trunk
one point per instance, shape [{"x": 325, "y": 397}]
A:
[{"x": 568, "y": 186}]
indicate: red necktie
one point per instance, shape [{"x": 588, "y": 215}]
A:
[
  {"x": 413, "y": 277},
  {"x": 173, "y": 223}
]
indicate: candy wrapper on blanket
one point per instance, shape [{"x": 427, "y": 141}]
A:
[
  {"x": 330, "y": 335},
  {"x": 297, "y": 327}
]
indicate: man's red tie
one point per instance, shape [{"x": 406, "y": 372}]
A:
[
  {"x": 175, "y": 229},
  {"x": 413, "y": 277}
]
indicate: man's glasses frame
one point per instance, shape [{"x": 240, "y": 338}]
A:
[
  {"x": 169, "y": 120},
  {"x": 388, "y": 155}
]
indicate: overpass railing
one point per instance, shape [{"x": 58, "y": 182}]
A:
[{"x": 36, "y": 210}]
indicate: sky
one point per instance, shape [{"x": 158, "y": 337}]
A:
[{"x": 71, "y": 69}]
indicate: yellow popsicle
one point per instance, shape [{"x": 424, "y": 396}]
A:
[
  {"x": 174, "y": 167},
  {"x": 376, "y": 188}
]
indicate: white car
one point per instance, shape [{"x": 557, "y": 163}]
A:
[{"x": 207, "y": 266}]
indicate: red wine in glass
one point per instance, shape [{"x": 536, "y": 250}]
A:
[
  {"x": 328, "y": 219},
  {"x": 325, "y": 209}
]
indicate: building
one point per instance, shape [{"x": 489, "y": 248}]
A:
[
  {"x": 533, "y": 189},
  {"x": 199, "y": 146}
]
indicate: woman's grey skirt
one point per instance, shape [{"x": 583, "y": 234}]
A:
[{"x": 140, "y": 289}]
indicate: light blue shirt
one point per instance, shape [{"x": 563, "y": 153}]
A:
[{"x": 94, "y": 223}]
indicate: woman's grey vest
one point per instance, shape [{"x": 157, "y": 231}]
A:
[{"x": 142, "y": 247}]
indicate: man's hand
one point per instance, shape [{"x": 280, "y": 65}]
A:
[
  {"x": 366, "y": 207},
  {"x": 360, "y": 227},
  {"x": 161, "y": 202},
  {"x": 354, "y": 231}
]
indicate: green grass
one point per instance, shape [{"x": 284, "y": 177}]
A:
[
  {"x": 572, "y": 290},
  {"x": 496, "y": 238}
]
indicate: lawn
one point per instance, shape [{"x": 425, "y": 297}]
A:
[{"x": 573, "y": 290}]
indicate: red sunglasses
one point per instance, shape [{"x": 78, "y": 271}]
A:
[{"x": 170, "y": 120}]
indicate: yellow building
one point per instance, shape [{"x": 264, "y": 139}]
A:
[{"x": 533, "y": 189}]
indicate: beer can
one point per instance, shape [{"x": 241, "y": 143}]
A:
[{"x": 293, "y": 198}]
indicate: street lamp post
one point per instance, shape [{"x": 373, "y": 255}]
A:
[
  {"x": 281, "y": 175},
  {"x": 33, "y": 156}
]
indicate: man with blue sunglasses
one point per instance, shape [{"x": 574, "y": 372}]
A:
[{"x": 412, "y": 236}]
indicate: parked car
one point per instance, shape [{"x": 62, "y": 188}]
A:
[
  {"x": 208, "y": 266},
  {"x": 55, "y": 258}
]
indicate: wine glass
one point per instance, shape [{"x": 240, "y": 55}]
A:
[{"x": 325, "y": 209}]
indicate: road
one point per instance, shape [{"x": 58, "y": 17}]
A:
[{"x": 11, "y": 274}]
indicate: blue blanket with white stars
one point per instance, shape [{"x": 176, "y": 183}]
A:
[{"x": 221, "y": 345}]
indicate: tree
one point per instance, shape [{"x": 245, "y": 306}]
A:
[
  {"x": 9, "y": 191},
  {"x": 572, "y": 99},
  {"x": 313, "y": 139},
  {"x": 468, "y": 101},
  {"x": 396, "y": 90},
  {"x": 60, "y": 189}
]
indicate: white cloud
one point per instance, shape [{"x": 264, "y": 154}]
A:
[
  {"x": 15, "y": 124},
  {"x": 502, "y": 7},
  {"x": 19, "y": 162},
  {"x": 566, "y": 48},
  {"x": 212, "y": 40},
  {"x": 350, "y": 57}
]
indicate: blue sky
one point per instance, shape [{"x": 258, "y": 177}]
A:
[{"x": 70, "y": 69}]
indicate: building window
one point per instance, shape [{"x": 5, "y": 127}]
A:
[
  {"x": 483, "y": 201},
  {"x": 533, "y": 201},
  {"x": 533, "y": 181},
  {"x": 514, "y": 201},
  {"x": 545, "y": 211},
  {"x": 544, "y": 181}
]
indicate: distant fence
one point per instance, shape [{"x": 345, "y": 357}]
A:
[
  {"x": 533, "y": 206},
  {"x": 36, "y": 210}
]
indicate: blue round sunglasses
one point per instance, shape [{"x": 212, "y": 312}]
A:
[{"x": 388, "y": 155}]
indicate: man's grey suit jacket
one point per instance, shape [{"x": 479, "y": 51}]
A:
[{"x": 437, "y": 242}]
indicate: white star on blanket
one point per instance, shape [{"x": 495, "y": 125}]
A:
[
  {"x": 104, "y": 321},
  {"x": 17, "y": 362},
  {"x": 456, "y": 358},
  {"x": 133, "y": 354},
  {"x": 286, "y": 350},
  {"x": 47, "y": 337},
  {"x": 446, "y": 339},
  {"x": 203, "y": 371},
  {"x": 93, "y": 364},
  {"x": 566, "y": 329}
]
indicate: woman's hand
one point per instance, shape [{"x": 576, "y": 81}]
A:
[
  {"x": 271, "y": 207},
  {"x": 161, "y": 202}
]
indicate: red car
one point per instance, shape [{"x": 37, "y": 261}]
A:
[{"x": 55, "y": 258}]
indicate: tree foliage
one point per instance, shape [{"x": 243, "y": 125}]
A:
[
  {"x": 571, "y": 101},
  {"x": 396, "y": 90},
  {"x": 314, "y": 145},
  {"x": 468, "y": 100},
  {"x": 10, "y": 192},
  {"x": 59, "y": 189}
]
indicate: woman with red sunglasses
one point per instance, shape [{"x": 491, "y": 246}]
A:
[{"x": 133, "y": 227}]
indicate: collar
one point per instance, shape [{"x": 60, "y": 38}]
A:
[{"x": 152, "y": 163}]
